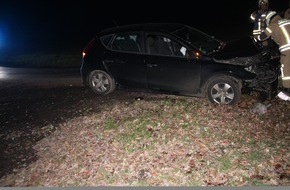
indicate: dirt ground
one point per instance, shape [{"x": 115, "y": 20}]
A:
[
  {"x": 27, "y": 109},
  {"x": 31, "y": 112}
]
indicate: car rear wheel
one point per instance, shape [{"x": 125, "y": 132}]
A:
[
  {"x": 223, "y": 90},
  {"x": 101, "y": 82}
]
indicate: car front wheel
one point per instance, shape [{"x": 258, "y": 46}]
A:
[
  {"x": 101, "y": 82},
  {"x": 223, "y": 90}
]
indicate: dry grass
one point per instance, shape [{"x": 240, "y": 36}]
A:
[{"x": 164, "y": 141}]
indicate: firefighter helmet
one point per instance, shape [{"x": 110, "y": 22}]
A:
[{"x": 260, "y": 2}]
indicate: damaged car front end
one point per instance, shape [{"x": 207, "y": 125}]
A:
[{"x": 263, "y": 62}]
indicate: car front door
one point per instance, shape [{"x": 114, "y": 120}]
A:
[{"x": 170, "y": 66}]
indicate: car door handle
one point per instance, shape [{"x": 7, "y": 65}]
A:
[
  {"x": 152, "y": 65},
  {"x": 112, "y": 61},
  {"x": 108, "y": 61}
]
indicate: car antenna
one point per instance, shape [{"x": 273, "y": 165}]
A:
[{"x": 115, "y": 23}]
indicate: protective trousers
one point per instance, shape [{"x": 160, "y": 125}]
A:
[{"x": 285, "y": 69}]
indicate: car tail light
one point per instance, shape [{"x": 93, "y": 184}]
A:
[{"x": 88, "y": 47}]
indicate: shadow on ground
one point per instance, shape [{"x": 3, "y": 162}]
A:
[{"x": 27, "y": 109}]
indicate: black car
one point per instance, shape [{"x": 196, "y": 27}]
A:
[{"x": 177, "y": 59}]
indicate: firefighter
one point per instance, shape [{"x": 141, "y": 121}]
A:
[
  {"x": 279, "y": 30},
  {"x": 259, "y": 18}
]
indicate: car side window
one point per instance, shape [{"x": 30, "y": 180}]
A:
[
  {"x": 106, "y": 39},
  {"x": 127, "y": 43},
  {"x": 179, "y": 50},
  {"x": 160, "y": 45}
]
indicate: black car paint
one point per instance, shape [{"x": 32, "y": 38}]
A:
[
  {"x": 141, "y": 70},
  {"x": 241, "y": 47},
  {"x": 156, "y": 74}
]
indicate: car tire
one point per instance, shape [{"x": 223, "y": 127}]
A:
[
  {"x": 101, "y": 82},
  {"x": 223, "y": 90}
]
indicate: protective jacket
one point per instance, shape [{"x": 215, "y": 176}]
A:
[
  {"x": 279, "y": 31},
  {"x": 260, "y": 22}
]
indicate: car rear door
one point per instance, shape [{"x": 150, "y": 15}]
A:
[
  {"x": 125, "y": 61},
  {"x": 170, "y": 66}
]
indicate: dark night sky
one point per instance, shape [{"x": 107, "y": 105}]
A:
[{"x": 54, "y": 25}]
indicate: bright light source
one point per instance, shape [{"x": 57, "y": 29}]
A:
[
  {"x": 3, "y": 74},
  {"x": 1, "y": 39},
  {"x": 3, "y": 36}
]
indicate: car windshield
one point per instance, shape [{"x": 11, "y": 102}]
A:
[{"x": 200, "y": 40}]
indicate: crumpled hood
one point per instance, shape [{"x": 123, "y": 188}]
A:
[{"x": 241, "y": 51}]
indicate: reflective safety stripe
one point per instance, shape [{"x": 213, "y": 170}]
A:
[
  {"x": 257, "y": 32},
  {"x": 285, "y": 78},
  {"x": 269, "y": 15},
  {"x": 269, "y": 30},
  {"x": 286, "y": 34},
  {"x": 259, "y": 25},
  {"x": 252, "y": 17},
  {"x": 282, "y": 23},
  {"x": 282, "y": 70},
  {"x": 284, "y": 48}
]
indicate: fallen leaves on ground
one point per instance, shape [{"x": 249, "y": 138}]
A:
[{"x": 161, "y": 140}]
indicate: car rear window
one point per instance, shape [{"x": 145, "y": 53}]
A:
[
  {"x": 106, "y": 39},
  {"x": 129, "y": 42}
]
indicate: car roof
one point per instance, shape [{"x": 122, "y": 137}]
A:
[{"x": 157, "y": 27}]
